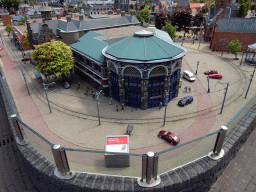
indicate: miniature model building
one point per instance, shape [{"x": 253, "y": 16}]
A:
[{"x": 138, "y": 68}]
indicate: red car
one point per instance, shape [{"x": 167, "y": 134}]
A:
[
  {"x": 215, "y": 76},
  {"x": 168, "y": 136},
  {"x": 211, "y": 72},
  {"x": 25, "y": 59}
]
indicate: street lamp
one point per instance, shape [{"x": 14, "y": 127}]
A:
[
  {"x": 208, "y": 84},
  {"x": 250, "y": 82},
  {"x": 45, "y": 88},
  {"x": 97, "y": 99},
  {"x": 197, "y": 67}
]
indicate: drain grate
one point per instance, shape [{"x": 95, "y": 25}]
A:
[{"x": 6, "y": 141}]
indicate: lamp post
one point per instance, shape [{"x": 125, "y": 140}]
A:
[
  {"x": 45, "y": 88},
  {"x": 208, "y": 84},
  {"x": 197, "y": 67},
  {"x": 250, "y": 82},
  {"x": 224, "y": 97},
  {"x": 97, "y": 99}
]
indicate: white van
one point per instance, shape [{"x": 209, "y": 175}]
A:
[{"x": 189, "y": 75}]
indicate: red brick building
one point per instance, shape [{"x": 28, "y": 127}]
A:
[
  {"x": 222, "y": 9},
  {"x": 228, "y": 29}
]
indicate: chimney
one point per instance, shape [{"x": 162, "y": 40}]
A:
[
  {"x": 132, "y": 12},
  {"x": 81, "y": 17},
  {"x": 118, "y": 11},
  {"x": 122, "y": 13},
  {"x": 58, "y": 16},
  {"x": 68, "y": 18}
]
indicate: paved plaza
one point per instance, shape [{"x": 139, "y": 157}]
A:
[{"x": 73, "y": 122}]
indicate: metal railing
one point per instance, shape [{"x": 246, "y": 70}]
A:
[{"x": 146, "y": 166}]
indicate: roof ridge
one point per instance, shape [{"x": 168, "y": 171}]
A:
[{"x": 160, "y": 45}]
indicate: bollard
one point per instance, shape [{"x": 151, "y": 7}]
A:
[
  {"x": 155, "y": 167},
  {"x": 144, "y": 167},
  {"x": 149, "y": 170},
  {"x": 62, "y": 171},
  {"x": 20, "y": 138},
  {"x": 218, "y": 152},
  {"x": 150, "y": 167}
]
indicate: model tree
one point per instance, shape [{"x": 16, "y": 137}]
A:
[
  {"x": 10, "y": 4},
  {"x": 53, "y": 58},
  {"x": 161, "y": 20},
  {"x": 198, "y": 19},
  {"x": 233, "y": 47},
  {"x": 145, "y": 14},
  {"x": 8, "y": 29},
  {"x": 171, "y": 30},
  {"x": 181, "y": 19}
]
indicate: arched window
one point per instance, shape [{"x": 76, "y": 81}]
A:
[
  {"x": 177, "y": 65},
  {"x": 158, "y": 71},
  {"x": 131, "y": 71},
  {"x": 112, "y": 67}
]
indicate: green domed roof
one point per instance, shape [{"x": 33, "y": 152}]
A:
[{"x": 145, "y": 46}]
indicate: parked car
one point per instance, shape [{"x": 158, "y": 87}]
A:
[
  {"x": 211, "y": 72},
  {"x": 25, "y": 59},
  {"x": 186, "y": 100},
  {"x": 66, "y": 85},
  {"x": 169, "y": 137},
  {"x": 189, "y": 75},
  {"x": 215, "y": 76}
]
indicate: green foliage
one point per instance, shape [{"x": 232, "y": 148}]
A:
[
  {"x": 10, "y": 4},
  {"x": 145, "y": 14},
  {"x": 247, "y": 6},
  {"x": 54, "y": 58},
  {"x": 205, "y": 9},
  {"x": 128, "y": 13},
  {"x": 73, "y": 10},
  {"x": 131, "y": 6},
  {"x": 233, "y": 47},
  {"x": 171, "y": 30},
  {"x": 22, "y": 22},
  {"x": 140, "y": 18},
  {"x": 161, "y": 20},
  {"x": 212, "y": 5},
  {"x": 8, "y": 29},
  {"x": 243, "y": 9},
  {"x": 147, "y": 2},
  {"x": 153, "y": 8}
]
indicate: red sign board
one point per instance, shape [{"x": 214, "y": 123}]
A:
[{"x": 116, "y": 140}]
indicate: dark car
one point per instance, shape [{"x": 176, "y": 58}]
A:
[
  {"x": 25, "y": 59},
  {"x": 211, "y": 72},
  {"x": 168, "y": 136},
  {"x": 215, "y": 76},
  {"x": 186, "y": 100},
  {"x": 66, "y": 85}
]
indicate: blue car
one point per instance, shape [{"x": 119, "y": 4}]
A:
[{"x": 186, "y": 100}]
